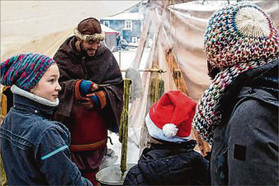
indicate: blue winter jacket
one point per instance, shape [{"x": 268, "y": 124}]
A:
[{"x": 35, "y": 150}]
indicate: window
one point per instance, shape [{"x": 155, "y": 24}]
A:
[
  {"x": 128, "y": 25},
  {"x": 106, "y": 23},
  {"x": 134, "y": 40}
]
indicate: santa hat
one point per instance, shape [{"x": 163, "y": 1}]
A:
[{"x": 170, "y": 118}]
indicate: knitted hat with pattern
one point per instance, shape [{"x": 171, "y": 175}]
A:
[
  {"x": 239, "y": 38},
  {"x": 24, "y": 70},
  {"x": 240, "y": 33}
]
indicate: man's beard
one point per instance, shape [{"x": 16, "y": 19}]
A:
[{"x": 84, "y": 52}]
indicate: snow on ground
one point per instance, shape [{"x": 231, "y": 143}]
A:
[
  {"x": 132, "y": 149},
  {"x": 125, "y": 58}
]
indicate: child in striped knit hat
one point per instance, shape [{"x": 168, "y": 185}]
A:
[
  {"x": 238, "y": 113},
  {"x": 35, "y": 150}
]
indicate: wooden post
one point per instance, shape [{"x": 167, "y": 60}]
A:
[{"x": 119, "y": 59}]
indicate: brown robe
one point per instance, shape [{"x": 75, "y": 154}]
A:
[
  {"x": 88, "y": 127},
  {"x": 100, "y": 69}
]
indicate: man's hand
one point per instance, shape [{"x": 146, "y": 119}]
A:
[
  {"x": 86, "y": 87},
  {"x": 95, "y": 100}
]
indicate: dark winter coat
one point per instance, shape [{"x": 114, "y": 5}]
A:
[
  {"x": 35, "y": 150},
  {"x": 169, "y": 164},
  {"x": 100, "y": 69},
  {"x": 245, "y": 148}
]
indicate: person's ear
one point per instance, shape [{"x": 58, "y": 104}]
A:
[{"x": 33, "y": 90}]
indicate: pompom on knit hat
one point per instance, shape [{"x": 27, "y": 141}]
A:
[
  {"x": 170, "y": 118},
  {"x": 24, "y": 70},
  {"x": 240, "y": 33},
  {"x": 239, "y": 38}
]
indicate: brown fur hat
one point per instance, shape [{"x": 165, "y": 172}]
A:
[{"x": 89, "y": 26}]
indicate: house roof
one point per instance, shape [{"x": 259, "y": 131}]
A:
[
  {"x": 125, "y": 16},
  {"x": 108, "y": 29}
]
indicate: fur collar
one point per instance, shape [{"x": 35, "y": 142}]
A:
[{"x": 85, "y": 37}]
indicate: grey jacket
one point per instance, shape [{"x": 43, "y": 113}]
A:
[{"x": 245, "y": 149}]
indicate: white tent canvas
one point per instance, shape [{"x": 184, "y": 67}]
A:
[{"x": 41, "y": 24}]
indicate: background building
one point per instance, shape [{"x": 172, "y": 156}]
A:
[{"x": 128, "y": 24}]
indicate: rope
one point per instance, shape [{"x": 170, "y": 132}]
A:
[
  {"x": 123, "y": 131},
  {"x": 157, "y": 87}
]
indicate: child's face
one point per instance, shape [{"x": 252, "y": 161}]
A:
[{"x": 48, "y": 85}]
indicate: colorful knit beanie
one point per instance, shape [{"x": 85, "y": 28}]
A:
[
  {"x": 240, "y": 33},
  {"x": 238, "y": 38},
  {"x": 24, "y": 70}
]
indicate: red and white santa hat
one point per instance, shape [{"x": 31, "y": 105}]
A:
[{"x": 170, "y": 118}]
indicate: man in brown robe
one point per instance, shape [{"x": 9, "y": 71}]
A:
[{"x": 91, "y": 98}]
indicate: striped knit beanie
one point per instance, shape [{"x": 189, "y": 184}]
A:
[
  {"x": 240, "y": 33},
  {"x": 24, "y": 70}
]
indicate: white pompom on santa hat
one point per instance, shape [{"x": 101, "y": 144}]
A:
[{"x": 170, "y": 118}]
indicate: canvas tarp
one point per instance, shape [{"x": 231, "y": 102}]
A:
[
  {"x": 177, "y": 35},
  {"x": 41, "y": 26}
]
